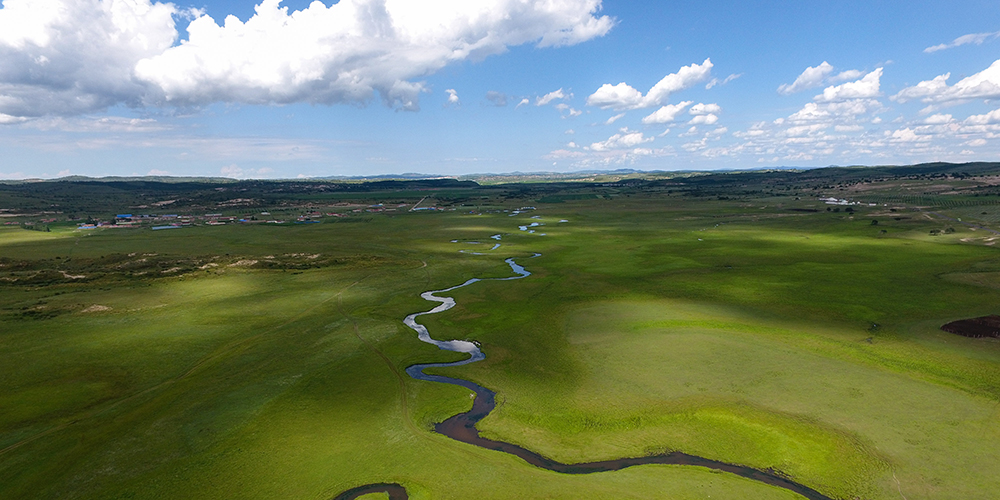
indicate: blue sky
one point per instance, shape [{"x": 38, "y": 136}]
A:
[{"x": 133, "y": 87}]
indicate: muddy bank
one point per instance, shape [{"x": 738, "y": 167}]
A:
[{"x": 462, "y": 427}]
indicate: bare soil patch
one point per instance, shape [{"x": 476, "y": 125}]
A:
[{"x": 984, "y": 326}]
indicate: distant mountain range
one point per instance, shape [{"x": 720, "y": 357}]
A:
[{"x": 515, "y": 176}]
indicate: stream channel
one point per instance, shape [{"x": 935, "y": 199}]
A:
[{"x": 462, "y": 427}]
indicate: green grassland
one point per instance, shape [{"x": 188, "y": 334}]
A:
[{"x": 267, "y": 361}]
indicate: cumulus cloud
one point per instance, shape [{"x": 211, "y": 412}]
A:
[
  {"x": 992, "y": 117},
  {"x": 818, "y": 76},
  {"x": 76, "y": 56},
  {"x": 614, "y": 118},
  {"x": 65, "y": 57},
  {"x": 705, "y": 109},
  {"x": 453, "y": 97},
  {"x": 906, "y": 135},
  {"x": 622, "y": 140},
  {"x": 706, "y": 119},
  {"x": 523, "y": 102},
  {"x": 976, "y": 38},
  {"x": 836, "y": 110},
  {"x": 843, "y": 76},
  {"x": 864, "y": 88},
  {"x": 982, "y": 85},
  {"x": 812, "y": 77},
  {"x": 666, "y": 114},
  {"x": 623, "y": 96},
  {"x": 938, "y": 119}
]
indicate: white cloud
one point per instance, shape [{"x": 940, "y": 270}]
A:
[
  {"x": 523, "y": 102},
  {"x": 938, "y": 119},
  {"x": 614, "y": 118},
  {"x": 591, "y": 158},
  {"x": 988, "y": 118},
  {"x": 833, "y": 111},
  {"x": 8, "y": 119},
  {"x": 976, "y": 38},
  {"x": 715, "y": 81},
  {"x": 698, "y": 145},
  {"x": 906, "y": 135},
  {"x": 354, "y": 48},
  {"x": 864, "y": 88},
  {"x": 810, "y": 78},
  {"x": 705, "y": 109},
  {"x": 622, "y": 140},
  {"x": 235, "y": 172},
  {"x": 708, "y": 119},
  {"x": 843, "y": 76},
  {"x": 65, "y": 57},
  {"x": 551, "y": 96},
  {"x": 982, "y": 85},
  {"x": 666, "y": 114},
  {"x": 817, "y": 76},
  {"x": 848, "y": 128},
  {"x": 452, "y": 96},
  {"x": 568, "y": 110},
  {"x": 231, "y": 171},
  {"x": 622, "y": 96},
  {"x": 810, "y": 112}
]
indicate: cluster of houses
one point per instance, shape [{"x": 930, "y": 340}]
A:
[
  {"x": 174, "y": 221},
  {"x": 841, "y": 201}
]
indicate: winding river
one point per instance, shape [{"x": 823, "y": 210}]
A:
[{"x": 462, "y": 427}]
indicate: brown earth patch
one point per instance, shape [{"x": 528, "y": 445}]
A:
[{"x": 984, "y": 326}]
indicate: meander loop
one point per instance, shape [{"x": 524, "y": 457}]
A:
[{"x": 462, "y": 427}]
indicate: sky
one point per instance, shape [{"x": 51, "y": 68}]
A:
[{"x": 448, "y": 87}]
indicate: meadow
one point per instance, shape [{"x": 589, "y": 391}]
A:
[{"x": 267, "y": 361}]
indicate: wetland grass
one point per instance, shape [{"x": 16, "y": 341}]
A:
[{"x": 803, "y": 342}]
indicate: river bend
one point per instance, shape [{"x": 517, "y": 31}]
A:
[{"x": 462, "y": 427}]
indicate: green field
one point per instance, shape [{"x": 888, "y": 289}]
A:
[{"x": 267, "y": 361}]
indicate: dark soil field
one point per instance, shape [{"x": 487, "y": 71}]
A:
[{"x": 985, "y": 326}]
